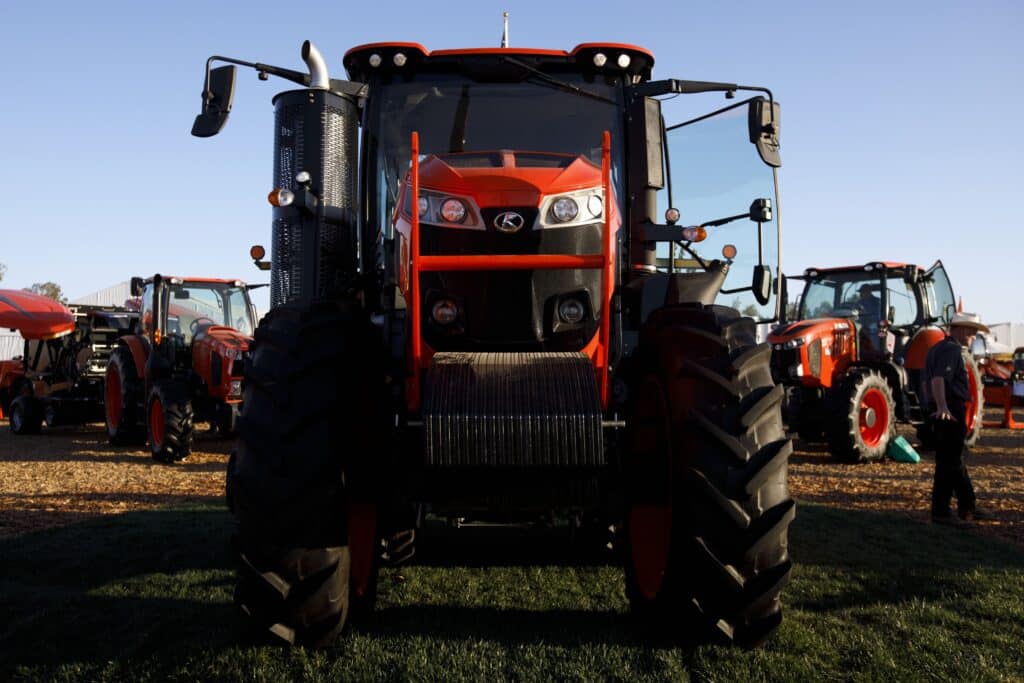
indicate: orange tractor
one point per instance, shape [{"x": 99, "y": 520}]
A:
[
  {"x": 478, "y": 312},
  {"x": 58, "y": 380},
  {"x": 1003, "y": 379},
  {"x": 184, "y": 366},
  {"x": 852, "y": 360}
]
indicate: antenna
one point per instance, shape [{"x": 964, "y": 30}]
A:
[{"x": 504, "y": 33}]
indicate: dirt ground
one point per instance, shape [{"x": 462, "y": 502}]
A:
[{"x": 69, "y": 474}]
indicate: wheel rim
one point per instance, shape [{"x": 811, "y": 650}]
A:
[
  {"x": 650, "y": 523},
  {"x": 156, "y": 424},
  {"x": 112, "y": 397},
  {"x": 874, "y": 417}
]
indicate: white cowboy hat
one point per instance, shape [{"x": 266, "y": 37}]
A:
[{"x": 970, "y": 320}]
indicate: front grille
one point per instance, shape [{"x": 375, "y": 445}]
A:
[{"x": 512, "y": 410}]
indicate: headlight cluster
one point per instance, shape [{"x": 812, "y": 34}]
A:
[
  {"x": 443, "y": 209},
  {"x": 583, "y": 206},
  {"x": 790, "y": 344}
]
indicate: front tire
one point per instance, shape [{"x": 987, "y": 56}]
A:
[
  {"x": 709, "y": 509},
  {"x": 863, "y": 418},
  {"x": 169, "y": 425},
  {"x": 307, "y": 414}
]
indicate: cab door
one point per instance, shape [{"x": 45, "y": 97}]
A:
[{"x": 939, "y": 294}]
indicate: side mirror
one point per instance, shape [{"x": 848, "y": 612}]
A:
[
  {"x": 137, "y": 285},
  {"x": 761, "y": 210},
  {"x": 217, "y": 98},
  {"x": 763, "y": 124},
  {"x": 782, "y": 290},
  {"x": 762, "y": 284}
]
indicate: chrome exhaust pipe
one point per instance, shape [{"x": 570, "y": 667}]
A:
[{"x": 318, "y": 78}]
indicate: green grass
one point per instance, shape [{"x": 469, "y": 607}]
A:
[{"x": 147, "y": 596}]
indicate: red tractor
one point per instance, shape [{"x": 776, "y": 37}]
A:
[
  {"x": 852, "y": 360},
  {"x": 185, "y": 365},
  {"x": 59, "y": 378},
  {"x": 469, "y": 318},
  {"x": 1002, "y": 375}
]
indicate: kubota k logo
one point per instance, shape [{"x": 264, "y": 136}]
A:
[{"x": 509, "y": 221}]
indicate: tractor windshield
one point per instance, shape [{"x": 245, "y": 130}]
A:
[
  {"x": 195, "y": 305},
  {"x": 842, "y": 294},
  {"x": 454, "y": 114},
  {"x": 715, "y": 173}
]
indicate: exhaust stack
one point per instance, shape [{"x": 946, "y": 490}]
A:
[{"x": 318, "y": 76}]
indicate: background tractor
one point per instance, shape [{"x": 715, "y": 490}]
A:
[
  {"x": 59, "y": 377},
  {"x": 853, "y": 358},
  {"x": 1002, "y": 375},
  {"x": 469, "y": 318},
  {"x": 184, "y": 365}
]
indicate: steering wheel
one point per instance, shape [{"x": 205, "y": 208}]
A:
[{"x": 193, "y": 326}]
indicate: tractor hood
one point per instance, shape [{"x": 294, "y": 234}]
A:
[
  {"x": 508, "y": 178},
  {"x": 35, "y": 316},
  {"x": 812, "y": 352},
  {"x": 227, "y": 341}
]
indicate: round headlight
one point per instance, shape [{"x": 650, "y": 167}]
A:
[
  {"x": 571, "y": 311},
  {"x": 600, "y": 59},
  {"x": 564, "y": 209},
  {"x": 595, "y": 205},
  {"x": 375, "y": 60},
  {"x": 453, "y": 211},
  {"x": 302, "y": 177},
  {"x": 399, "y": 59},
  {"x": 623, "y": 60},
  {"x": 672, "y": 216},
  {"x": 424, "y": 205},
  {"x": 444, "y": 312}
]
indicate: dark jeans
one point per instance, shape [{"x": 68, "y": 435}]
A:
[{"x": 950, "y": 468}]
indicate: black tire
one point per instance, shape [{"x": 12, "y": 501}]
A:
[
  {"x": 169, "y": 427},
  {"x": 706, "y": 438},
  {"x": 926, "y": 437},
  {"x": 974, "y": 421},
  {"x": 124, "y": 406},
  {"x": 226, "y": 420},
  {"x": 862, "y": 417},
  {"x": 305, "y": 408},
  {"x": 26, "y": 415}
]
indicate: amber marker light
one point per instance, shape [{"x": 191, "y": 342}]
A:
[
  {"x": 279, "y": 197},
  {"x": 696, "y": 233},
  {"x": 729, "y": 251},
  {"x": 257, "y": 252}
]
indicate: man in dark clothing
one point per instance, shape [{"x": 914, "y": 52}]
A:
[{"x": 945, "y": 374}]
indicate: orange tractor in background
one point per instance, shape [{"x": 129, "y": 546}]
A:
[
  {"x": 1003, "y": 379},
  {"x": 184, "y": 366},
  {"x": 58, "y": 380},
  {"x": 853, "y": 358}
]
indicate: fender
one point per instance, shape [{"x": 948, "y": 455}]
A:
[{"x": 139, "y": 347}]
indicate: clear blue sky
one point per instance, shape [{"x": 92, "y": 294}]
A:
[{"x": 902, "y": 123}]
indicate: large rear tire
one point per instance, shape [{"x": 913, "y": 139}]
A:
[
  {"x": 306, "y": 417},
  {"x": 123, "y": 400},
  {"x": 707, "y": 455},
  {"x": 975, "y": 410},
  {"x": 862, "y": 417},
  {"x": 169, "y": 425}
]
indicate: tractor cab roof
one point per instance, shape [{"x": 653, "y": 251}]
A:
[
  {"x": 175, "y": 279},
  {"x": 363, "y": 61},
  {"x": 867, "y": 267}
]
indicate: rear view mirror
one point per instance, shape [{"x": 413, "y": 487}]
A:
[
  {"x": 761, "y": 210},
  {"x": 137, "y": 285},
  {"x": 218, "y": 94},
  {"x": 182, "y": 294},
  {"x": 763, "y": 123},
  {"x": 762, "y": 284}
]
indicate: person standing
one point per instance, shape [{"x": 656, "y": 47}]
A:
[{"x": 946, "y": 378}]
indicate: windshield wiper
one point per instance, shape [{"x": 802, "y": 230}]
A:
[{"x": 561, "y": 85}]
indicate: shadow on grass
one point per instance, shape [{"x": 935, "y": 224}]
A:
[{"x": 157, "y": 584}]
